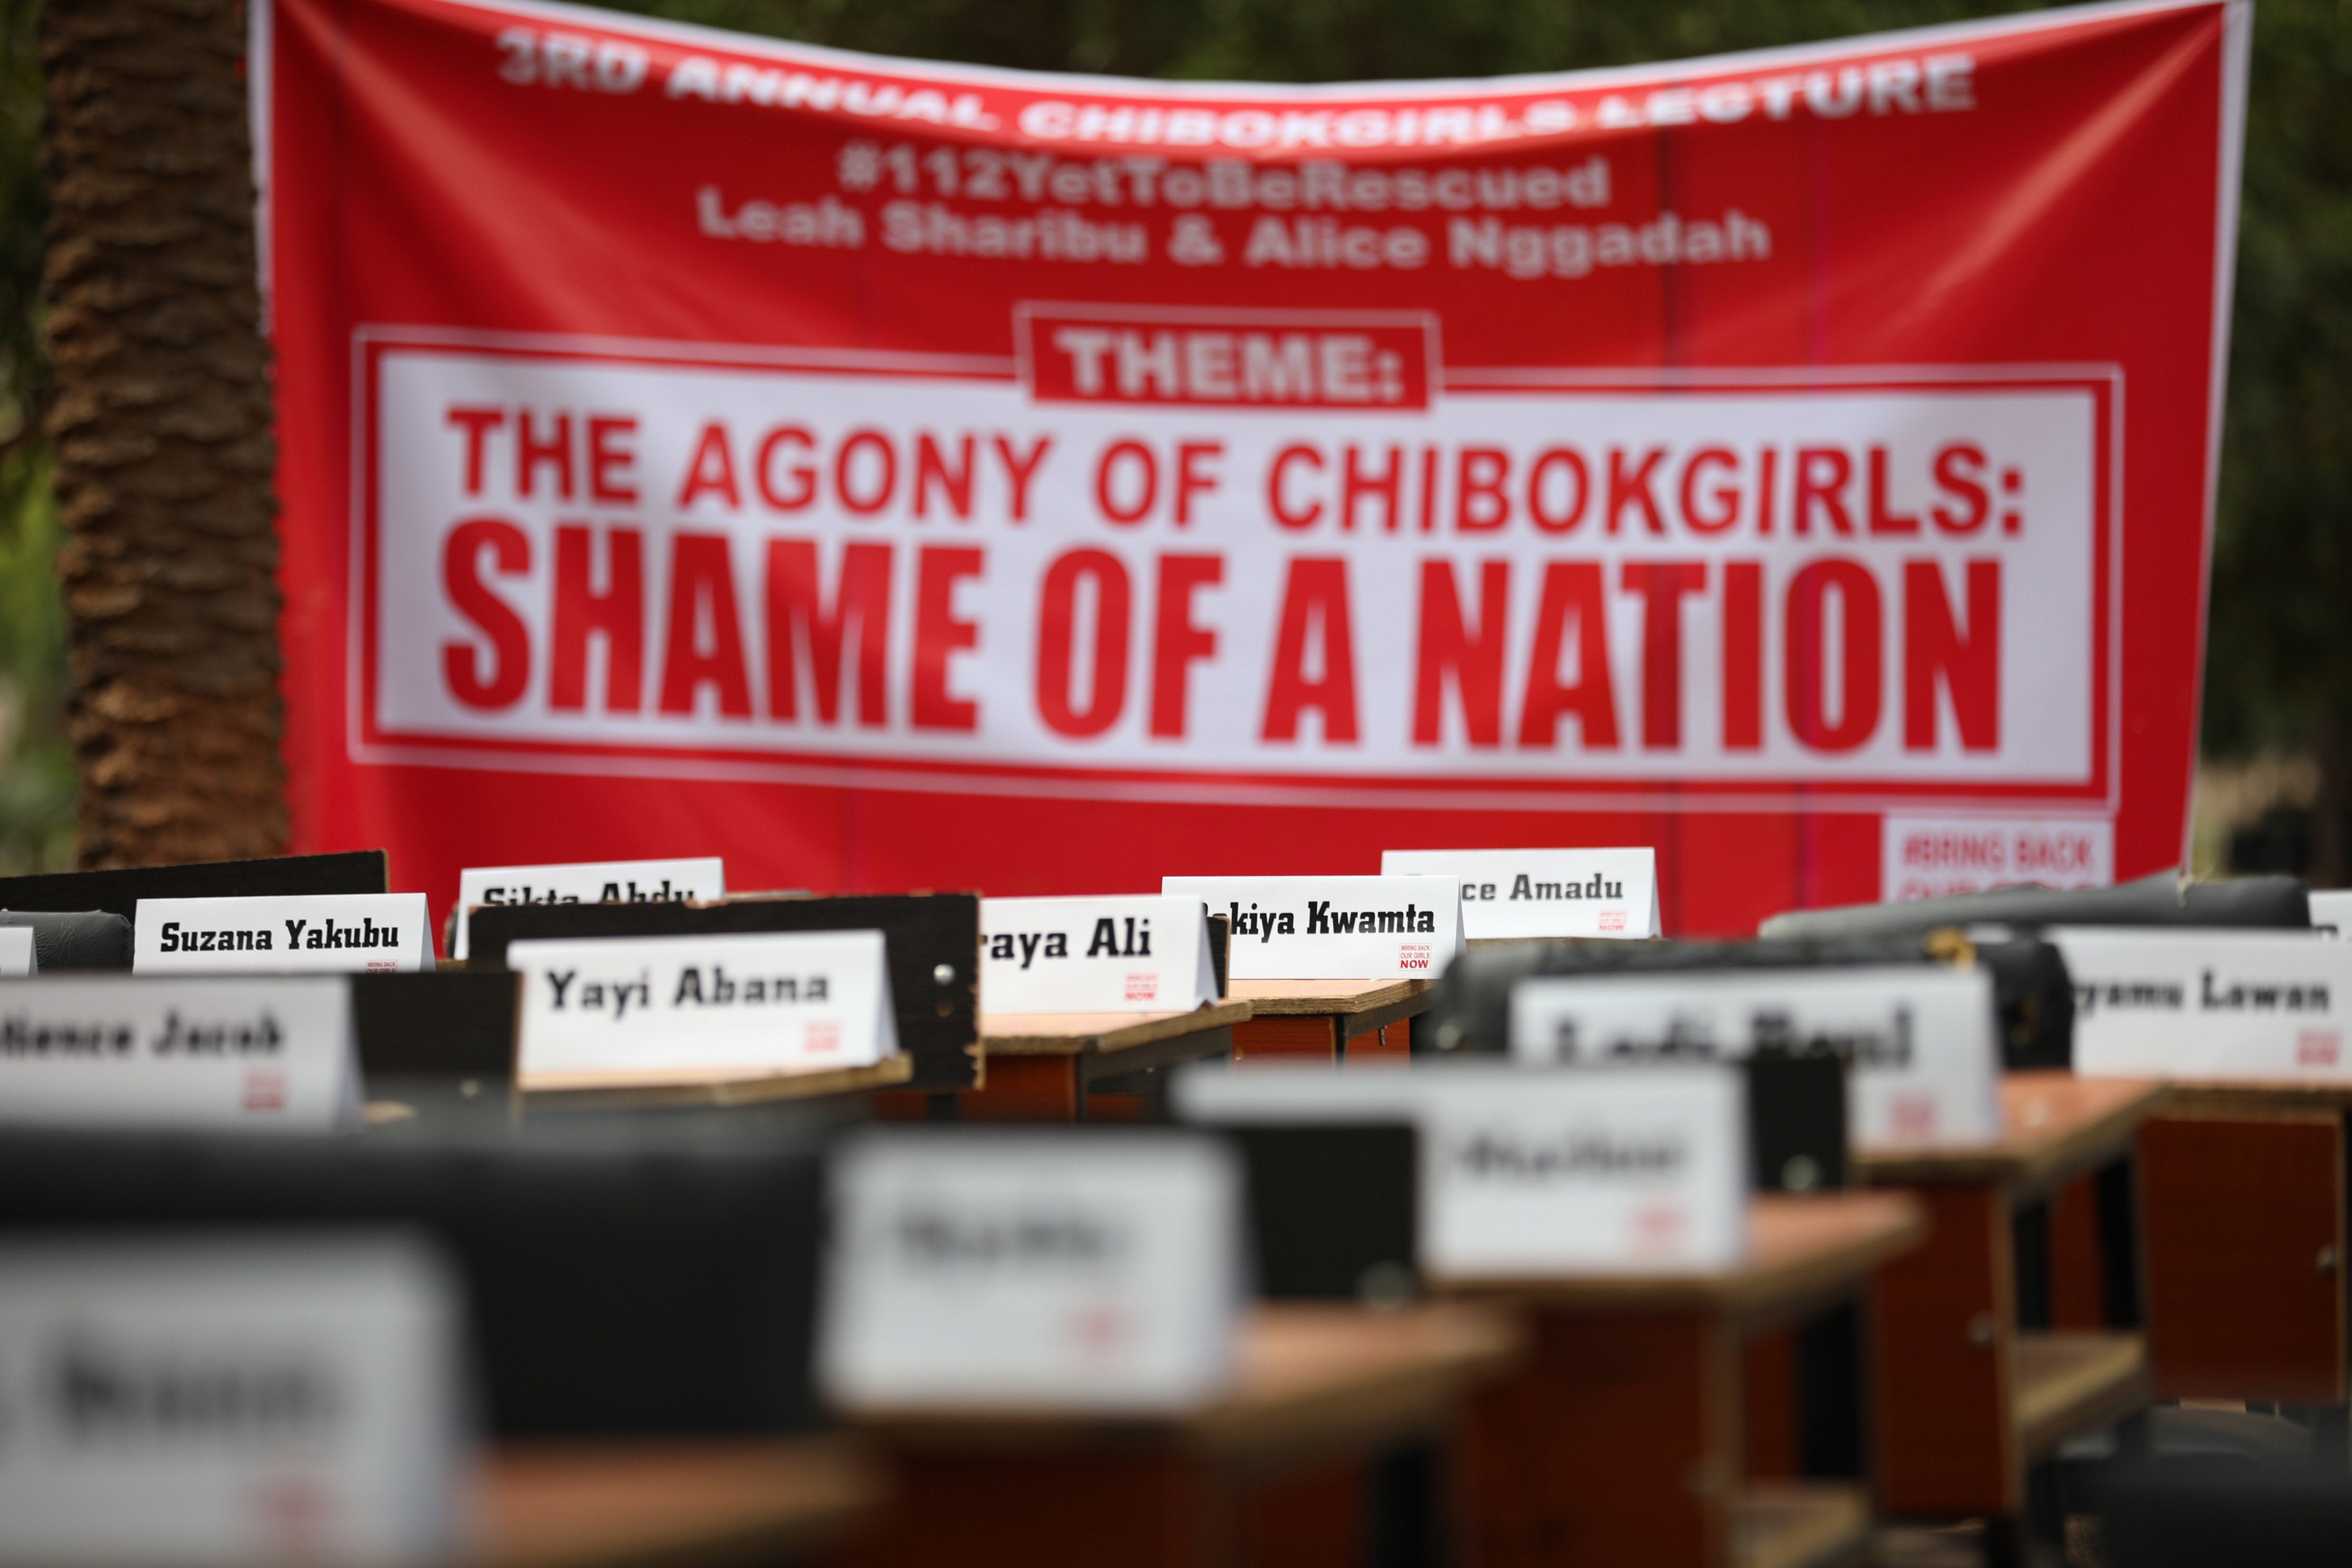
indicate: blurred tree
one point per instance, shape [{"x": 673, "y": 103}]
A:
[
  {"x": 36, "y": 786},
  {"x": 161, "y": 426}
]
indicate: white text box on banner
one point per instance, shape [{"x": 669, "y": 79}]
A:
[
  {"x": 1129, "y": 954},
  {"x": 1007, "y": 1272},
  {"x": 262, "y": 1053},
  {"x": 1333, "y": 928},
  {"x": 1923, "y": 1040},
  {"x": 2150, "y": 1002},
  {"x": 1544, "y": 893},
  {"x": 231, "y": 1402},
  {"x": 1893, "y": 584},
  {"x": 678, "y": 1009},
  {"x": 1528, "y": 1174}
]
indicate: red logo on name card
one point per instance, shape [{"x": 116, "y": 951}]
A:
[
  {"x": 2317, "y": 1048},
  {"x": 1412, "y": 955},
  {"x": 1143, "y": 987},
  {"x": 1360, "y": 362},
  {"x": 1612, "y": 920},
  {"x": 265, "y": 1090},
  {"x": 1913, "y": 1115},
  {"x": 1659, "y": 1227},
  {"x": 823, "y": 1037}
]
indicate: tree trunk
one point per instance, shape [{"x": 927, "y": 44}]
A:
[{"x": 162, "y": 425}]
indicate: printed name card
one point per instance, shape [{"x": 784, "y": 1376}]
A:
[
  {"x": 230, "y": 1402},
  {"x": 614, "y": 1011},
  {"x": 2331, "y": 910},
  {"x": 16, "y": 955},
  {"x": 587, "y": 882},
  {"x": 1333, "y": 928},
  {"x": 2207, "y": 1004},
  {"x": 268, "y": 1054},
  {"x": 1924, "y": 1039},
  {"x": 1004, "y": 1271},
  {"x": 1536, "y": 1174},
  {"x": 1095, "y": 956},
  {"x": 1544, "y": 893},
  {"x": 341, "y": 933}
]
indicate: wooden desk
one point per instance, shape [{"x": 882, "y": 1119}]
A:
[
  {"x": 614, "y": 1090},
  {"x": 1619, "y": 1439},
  {"x": 1043, "y": 1066},
  {"x": 2241, "y": 1194},
  {"x": 1327, "y": 1020},
  {"x": 1963, "y": 1401},
  {"x": 1271, "y": 1476},
  {"x": 694, "y": 1504}
]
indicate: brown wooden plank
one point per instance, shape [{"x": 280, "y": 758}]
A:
[
  {"x": 661, "y": 1087},
  {"x": 1154, "y": 1507},
  {"x": 1803, "y": 1252},
  {"x": 1942, "y": 1329},
  {"x": 1816, "y": 1525},
  {"x": 2243, "y": 1227},
  {"x": 1315, "y": 1038},
  {"x": 1073, "y": 1034},
  {"x": 619, "y": 1505},
  {"x": 2069, "y": 1383},
  {"x": 2054, "y": 1126},
  {"x": 1276, "y": 997}
]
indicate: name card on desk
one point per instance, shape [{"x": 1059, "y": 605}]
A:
[
  {"x": 1923, "y": 1038},
  {"x": 2208, "y": 1004},
  {"x": 340, "y": 933},
  {"x": 2331, "y": 910},
  {"x": 977, "y": 1271},
  {"x": 16, "y": 955},
  {"x": 1544, "y": 893},
  {"x": 229, "y": 1401},
  {"x": 1095, "y": 956},
  {"x": 1535, "y": 1174},
  {"x": 1333, "y": 928},
  {"x": 586, "y": 882},
  {"x": 270, "y": 1054},
  {"x": 676, "y": 1009}
]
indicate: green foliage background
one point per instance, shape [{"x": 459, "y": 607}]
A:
[{"x": 2280, "y": 665}]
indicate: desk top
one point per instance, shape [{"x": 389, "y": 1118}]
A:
[
  {"x": 1274, "y": 997},
  {"x": 1076, "y": 1034},
  {"x": 1801, "y": 1252},
  {"x": 2248, "y": 1096},
  {"x": 601, "y": 1090},
  {"x": 1315, "y": 1381},
  {"x": 622, "y": 1504},
  {"x": 2054, "y": 1124}
]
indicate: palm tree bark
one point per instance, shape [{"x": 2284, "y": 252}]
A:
[{"x": 162, "y": 426}]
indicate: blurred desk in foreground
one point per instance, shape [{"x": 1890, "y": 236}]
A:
[
  {"x": 699, "y": 1503},
  {"x": 1964, "y": 1400},
  {"x": 1274, "y": 1474}
]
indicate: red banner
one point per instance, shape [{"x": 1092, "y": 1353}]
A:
[{"x": 887, "y": 474}]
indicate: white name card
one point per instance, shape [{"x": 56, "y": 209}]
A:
[
  {"x": 1534, "y": 1174},
  {"x": 2331, "y": 910},
  {"x": 1924, "y": 1039},
  {"x": 700, "y": 1008},
  {"x": 1095, "y": 956},
  {"x": 267, "y": 1054},
  {"x": 1333, "y": 928},
  {"x": 586, "y": 882},
  {"x": 217, "y": 1401},
  {"x": 1004, "y": 1271},
  {"x": 2208, "y": 1004},
  {"x": 16, "y": 955},
  {"x": 1544, "y": 893},
  {"x": 338, "y": 933}
]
